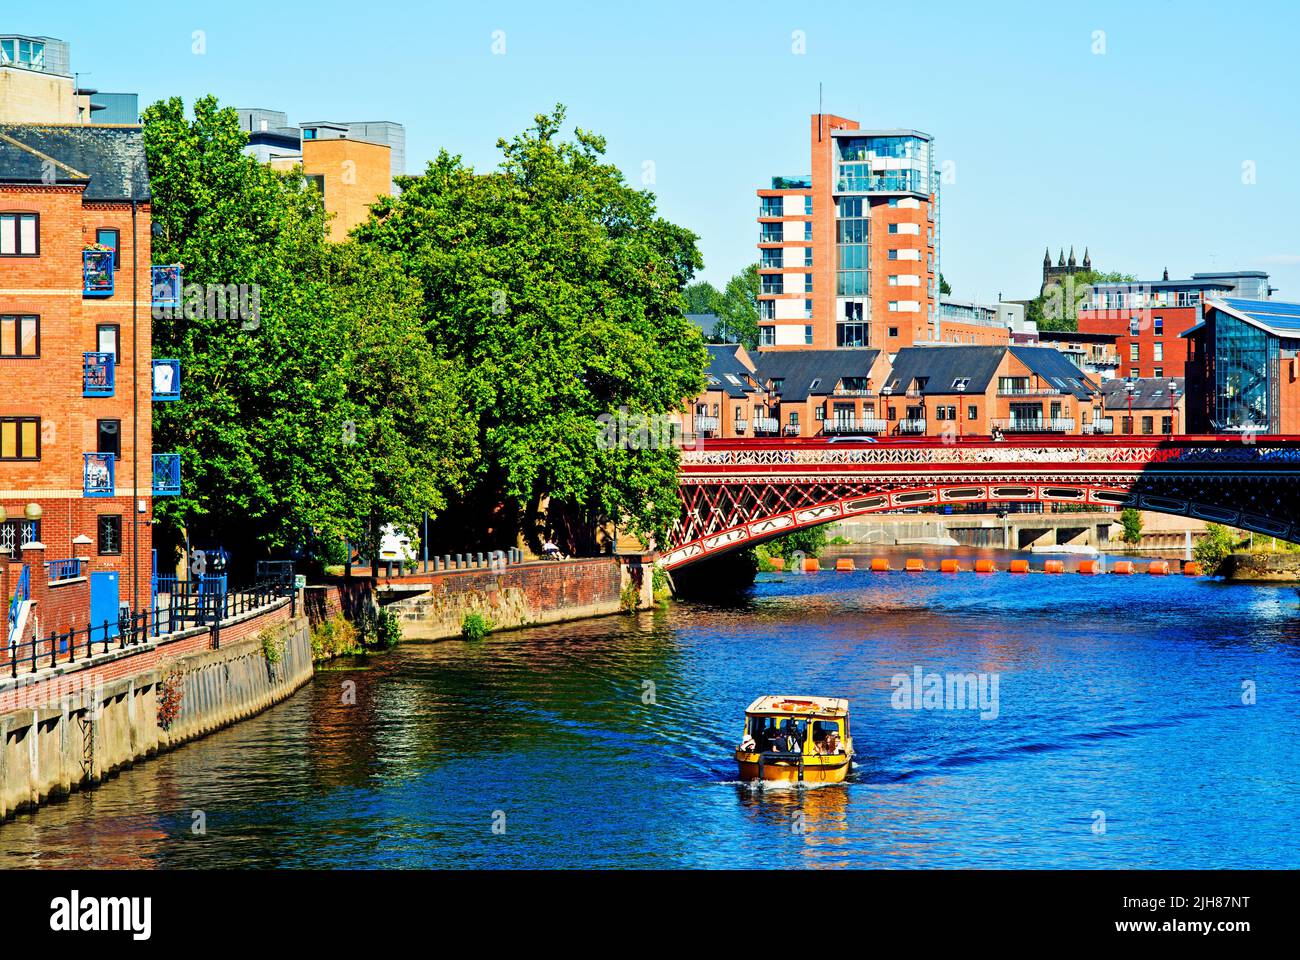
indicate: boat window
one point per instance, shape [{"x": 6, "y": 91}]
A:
[
  {"x": 765, "y": 730},
  {"x": 823, "y": 729}
]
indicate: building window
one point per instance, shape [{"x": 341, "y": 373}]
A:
[
  {"x": 1147, "y": 425},
  {"x": 794, "y": 418},
  {"x": 850, "y": 335},
  {"x": 15, "y": 533},
  {"x": 820, "y": 412},
  {"x": 1166, "y": 424},
  {"x": 20, "y": 235},
  {"x": 972, "y": 412},
  {"x": 1134, "y": 326},
  {"x": 1158, "y": 326},
  {"x": 807, "y": 335},
  {"x": 893, "y": 331},
  {"x": 807, "y": 309},
  {"x": 108, "y": 339},
  {"x": 20, "y": 336},
  {"x": 20, "y": 438},
  {"x": 1127, "y": 423},
  {"x": 108, "y": 437},
  {"x": 1158, "y": 351},
  {"x": 807, "y": 283},
  {"x": 767, "y": 309},
  {"x": 309, "y": 133},
  {"x": 1158, "y": 372},
  {"x": 110, "y": 534},
  {"x": 1134, "y": 354},
  {"x": 767, "y": 336},
  {"x": 111, "y": 238}
]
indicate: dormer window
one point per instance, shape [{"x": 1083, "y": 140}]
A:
[{"x": 961, "y": 383}]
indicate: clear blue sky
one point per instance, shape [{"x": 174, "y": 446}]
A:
[{"x": 1136, "y": 152}]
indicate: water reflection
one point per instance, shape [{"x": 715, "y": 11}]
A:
[{"x": 608, "y": 743}]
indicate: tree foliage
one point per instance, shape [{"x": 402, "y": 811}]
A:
[
  {"x": 1056, "y": 308},
  {"x": 557, "y": 288},
  {"x": 1131, "y": 520},
  {"x": 738, "y": 311},
  {"x": 325, "y": 411},
  {"x": 702, "y": 297},
  {"x": 1214, "y": 547}
]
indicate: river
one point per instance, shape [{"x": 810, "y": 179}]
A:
[{"x": 1122, "y": 735}]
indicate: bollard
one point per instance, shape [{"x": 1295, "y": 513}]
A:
[
  {"x": 915, "y": 565},
  {"x": 949, "y": 566},
  {"x": 1192, "y": 569},
  {"x": 879, "y": 565},
  {"x": 460, "y": 557},
  {"x": 1019, "y": 566},
  {"x": 778, "y": 563},
  {"x": 984, "y": 566},
  {"x": 480, "y": 559},
  {"x": 844, "y": 564},
  {"x": 810, "y": 565},
  {"x": 1158, "y": 568},
  {"x": 1054, "y": 566},
  {"x": 1090, "y": 567},
  {"x": 1124, "y": 567}
]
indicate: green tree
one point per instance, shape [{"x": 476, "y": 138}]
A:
[
  {"x": 738, "y": 311},
  {"x": 702, "y": 297},
  {"x": 944, "y": 289},
  {"x": 809, "y": 541},
  {"x": 1132, "y": 522},
  {"x": 1056, "y": 307},
  {"x": 1213, "y": 548},
  {"x": 556, "y": 288},
  {"x": 275, "y": 398}
]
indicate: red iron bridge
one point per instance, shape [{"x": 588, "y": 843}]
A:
[{"x": 737, "y": 493}]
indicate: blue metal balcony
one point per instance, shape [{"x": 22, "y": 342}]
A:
[
  {"x": 97, "y": 273},
  {"x": 97, "y": 475},
  {"x": 166, "y": 474},
  {"x": 63, "y": 569},
  {"x": 98, "y": 375},
  {"x": 165, "y": 280},
  {"x": 166, "y": 380}
]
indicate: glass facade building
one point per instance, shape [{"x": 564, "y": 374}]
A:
[{"x": 1235, "y": 375}]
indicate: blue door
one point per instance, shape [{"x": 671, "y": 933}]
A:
[{"x": 103, "y": 604}]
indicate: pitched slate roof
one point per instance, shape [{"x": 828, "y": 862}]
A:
[
  {"x": 1056, "y": 368},
  {"x": 940, "y": 366},
  {"x": 727, "y": 371},
  {"x": 1149, "y": 393},
  {"x": 807, "y": 373},
  {"x": 705, "y": 321},
  {"x": 110, "y": 161}
]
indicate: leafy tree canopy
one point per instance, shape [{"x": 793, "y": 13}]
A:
[
  {"x": 318, "y": 408},
  {"x": 557, "y": 288}
]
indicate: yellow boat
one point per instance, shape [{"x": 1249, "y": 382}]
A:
[{"x": 796, "y": 739}]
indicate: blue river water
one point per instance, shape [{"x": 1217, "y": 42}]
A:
[{"x": 1139, "y": 722}]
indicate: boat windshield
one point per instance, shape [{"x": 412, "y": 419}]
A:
[{"x": 780, "y": 734}]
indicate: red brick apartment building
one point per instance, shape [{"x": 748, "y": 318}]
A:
[
  {"x": 849, "y": 254},
  {"x": 1148, "y": 317},
  {"x": 77, "y": 376}
]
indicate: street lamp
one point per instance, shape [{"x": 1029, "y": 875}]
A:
[
  {"x": 1128, "y": 388},
  {"x": 1173, "y": 414},
  {"x": 885, "y": 393},
  {"x": 961, "y": 406}
]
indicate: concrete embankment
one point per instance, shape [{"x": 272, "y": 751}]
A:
[
  {"x": 69, "y": 730},
  {"x": 433, "y": 606},
  {"x": 1262, "y": 567}
]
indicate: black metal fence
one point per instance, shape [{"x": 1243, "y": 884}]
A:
[{"x": 187, "y": 606}]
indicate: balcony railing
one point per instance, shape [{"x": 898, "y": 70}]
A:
[
  {"x": 97, "y": 273},
  {"x": 706, "y": 424},
  {"x": 1034, "y": 424},
  {"x": 63, "y": 569},
  {"x": 1100, "y": 425},
  {"x": 166, "y": 282},
  {"x": 852, "y": 392},
  {"x": 739, "y": 427},
  {"x": 97, "y": 475},
  {"x": 166, "y": 474},
  {"x": 97, "y": 374},
  {"x": 166, "y": 380},
  {"x": 841, "y": 425},
  {"x": 911, "y": 425},
  {"x": 791, "y": 430},
  {"x": 1029, "y": 392},
  {"x": 766, "y": 425}
]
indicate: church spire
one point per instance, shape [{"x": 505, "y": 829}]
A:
[
  {"x": 1061, "y": 259},
  {"x": 1047, "y": 257},
  {"x": 1073, "y": 262},
  {"x": 1087, "y": 260}
]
